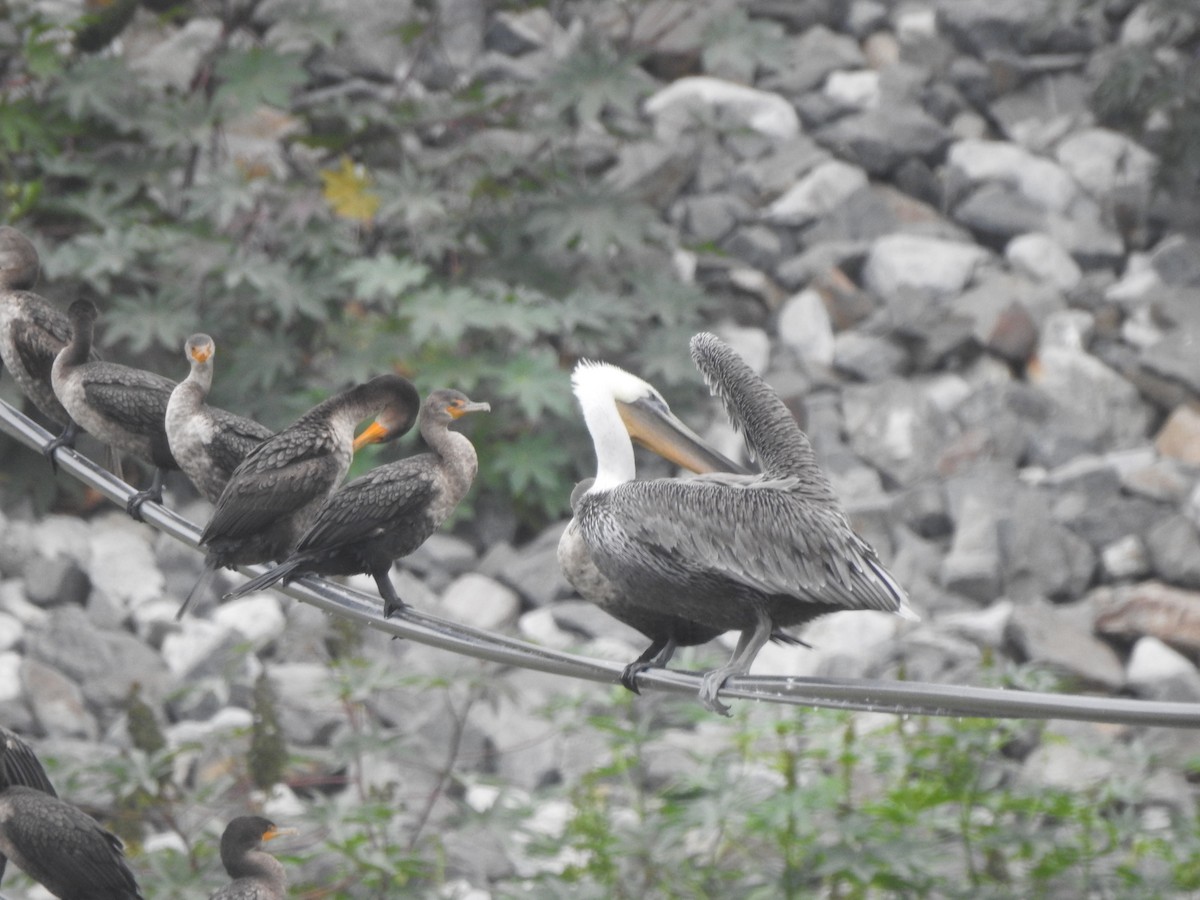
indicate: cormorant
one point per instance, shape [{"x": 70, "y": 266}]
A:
[
  {"x": 120, "y": 405},
  {"x": 273, "y": 496},
  {"x": 207, "y": 442},
  {"x": 389, "y": 512}
]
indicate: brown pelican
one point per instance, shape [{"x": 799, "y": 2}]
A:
[
  {"x": 32, "y": 331},
  {"x": 649, "y": 421},
  {"x": 389, "y": 512},
  {"x": 53, "y": 842},
  {"x": 122, "y": 406},
  {"x": 256, "y": 874},
  {"x": 732, "y": 552},
  {"x": 208, "y": 443},
  {"x": 272, "y": 497}
]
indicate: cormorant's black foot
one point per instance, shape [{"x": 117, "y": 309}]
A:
[
  {"x": 66, "y": 439},
  {"x": 630, "y": 673},
  {"x": 393, "y": 605},
  {"x": 134, "y": 504}
]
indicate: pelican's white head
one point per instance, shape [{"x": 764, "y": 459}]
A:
[
  {"x": 620, "y": 408},
  {"x": 600, "y": 387}
]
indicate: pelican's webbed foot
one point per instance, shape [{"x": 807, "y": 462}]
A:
[{"x": 750, "y": 641}]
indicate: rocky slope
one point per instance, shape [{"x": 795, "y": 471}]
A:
[{"x": 966, "y": 290}]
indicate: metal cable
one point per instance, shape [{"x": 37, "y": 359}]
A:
[{"x": 897, "y": 697}]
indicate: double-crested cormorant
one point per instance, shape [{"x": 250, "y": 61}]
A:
[
  {"x": 32, "y": 331},
  {"x": 273, "y": 496},
  {"x": 256, "y": 874},
  {"x": 120, "y": 405},
  {"x": 751, "y": 553},
  {"x": 54, "y": 843},
  {"x": 207, "y": 442},
  {"x": 389, "y": 512},
  {"x": 650, "y": 422}
]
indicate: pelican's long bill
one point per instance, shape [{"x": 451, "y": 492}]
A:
[{"x": 652, "y": 425}]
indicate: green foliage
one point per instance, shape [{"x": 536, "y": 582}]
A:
[
  {"x": 325, "y": 236},
  {"x": 268, "y": 755},
  {"x": 1152, "y": 91}
]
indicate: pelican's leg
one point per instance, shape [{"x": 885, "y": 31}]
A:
[
  {"x": 66, "y": 439},
  {"x": 154, "y": 492},
  {"x": 748, "y": 645},
  {"x": 657, "y": 654},
  {"x": 391, "y": 601}
]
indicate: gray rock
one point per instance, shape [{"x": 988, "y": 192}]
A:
[
  {"x": 652, "y": 171},
  {"x": 880, "y": 210},
  {"x": 1103, "y": 161},
  {"x": 137, "y": 579},
  {"x": 56, "y": 702},
  {"x": 1157, "y": 671},
  {"x": 710, "y": 217},
  {"x": 879, "y": 140},
  {"x": 767, "y": 176},
  {"x": 1060, "y": 637},
  {"x": 518, "y": 31},
  {"x": 986, "y": 27},
  {"x": 589, "y": 621},
  {"x": 986, "y": 627},
  {"x": 1062, "y": 766},
  {"x": 853, "y": 91},
  {"x": 820, "y": 191},
  {"x": 1125, "y": 558},
  {"x": 973, "y": 565},
  {"x": 813, "y": 55},
  {"x": 867, "y": 357},
  {"x": 699, "y": 98},
  {"x": 901, "y": 264},
  {"x": 481, "y": 602},
  {"x": 12, "y": 632},
  {"x": 1176, "y": 260},
  {"x": 56, "y": 581},
  {"x": 805, "y": 328},
  {"x": 1043, "y": 259},
  {"x": 532, "y": 571},
  {"x": 1041, "y": 557},
  {"x": 756, "y": 245},
  {"x": 895, "y": 427},
  {"x": 1152, "y": 609},
  {"x": 1104, "y": 410},
  {"x": 439, "y": 559},
  {"x": 1038, "y": 180},
  {"x": 998, "y": 213},
  {"x": 865, "y": 17},
  {"x": 11, "y": 690},
  {"x": 307, "y": 702},
  {"x": 1087, "y": 234},
  {"x": 1006, "y": 312},
  {"x": 818, "y": 260}
]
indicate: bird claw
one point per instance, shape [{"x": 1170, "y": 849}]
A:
[
  {"x": 391, "y": 608},
  {"x": 630, "y": 673},
  {"x": 134, "y": 504},
  {"x": 710, "y": 687}
]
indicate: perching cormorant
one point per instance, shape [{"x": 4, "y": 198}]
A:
[
  {"x": 273, "y": 496},
  {"x": 389, "y": 512},
  {"x": 207, "y": 442},
  {"x": 120, "y": 405},
  {"x": 256, "y": 874}
]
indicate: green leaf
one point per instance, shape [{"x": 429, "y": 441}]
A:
[
  {"x": 384, "y": 277},
  {"x": 444, "y": 315},
  {"x": 254, "y": 76}
]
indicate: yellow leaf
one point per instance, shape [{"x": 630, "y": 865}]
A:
[{"x": 347, "y": 191}]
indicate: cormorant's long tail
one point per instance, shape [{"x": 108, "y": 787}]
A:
[{"x": 266, "y": 579}]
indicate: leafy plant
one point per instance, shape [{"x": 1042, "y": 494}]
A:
[{"x": 324, "y": 236}]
